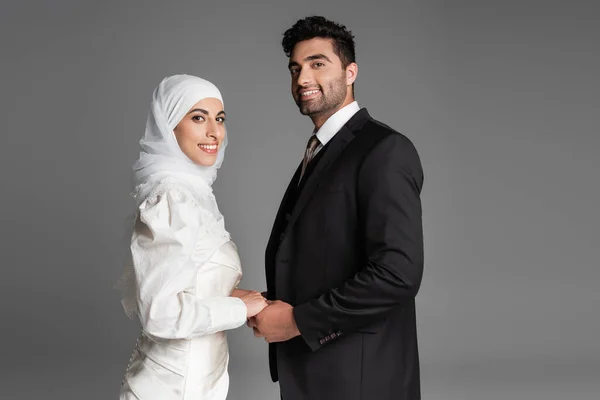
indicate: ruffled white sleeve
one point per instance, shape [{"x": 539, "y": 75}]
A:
[{"x": 161, "y": 246}]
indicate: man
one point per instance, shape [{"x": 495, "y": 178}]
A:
[{"x": 345, "y": 258}]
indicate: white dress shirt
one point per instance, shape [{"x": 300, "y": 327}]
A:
[{"x": 335, "y": 123}]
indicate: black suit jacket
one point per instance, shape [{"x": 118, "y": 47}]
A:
[{"x": 346, "y": 250}]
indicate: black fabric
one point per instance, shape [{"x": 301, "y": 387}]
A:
[{"x": 346, "y": 250}]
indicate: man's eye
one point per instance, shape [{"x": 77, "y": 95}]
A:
[
  {"x": 294, "y": 71},
  {"x": 319, "y": 64}
]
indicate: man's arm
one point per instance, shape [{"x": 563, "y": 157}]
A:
[{"x": 389, "y": 186}]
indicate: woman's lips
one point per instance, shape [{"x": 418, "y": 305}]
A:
[{"x": 209, "y": 148}]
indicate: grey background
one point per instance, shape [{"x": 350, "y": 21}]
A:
[{"x": 501, "y": 99}]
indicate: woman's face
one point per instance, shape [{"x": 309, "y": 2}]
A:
[{"x": 201, "y": 131}]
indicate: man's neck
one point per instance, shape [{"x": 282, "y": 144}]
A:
[{"x": 319, "y": 119}]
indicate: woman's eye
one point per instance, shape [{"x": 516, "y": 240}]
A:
[
  {"x": 221, "y": 120},
  {"x": 198, "y": 118}
]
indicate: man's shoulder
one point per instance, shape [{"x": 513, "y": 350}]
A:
[
  {"x": 377, "y": 131},
  {"x": 387, "y": 146}
]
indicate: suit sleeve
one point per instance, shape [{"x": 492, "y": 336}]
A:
[
  {"x": 389, "y": 185},
  {"x": 162, "y": 244}
]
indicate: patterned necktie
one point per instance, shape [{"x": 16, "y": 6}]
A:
[{"x": 313, "y": 143}]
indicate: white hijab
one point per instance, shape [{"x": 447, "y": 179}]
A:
[
  {"x": 161, "y": 155},
  {"x": 162, "y": 160}
]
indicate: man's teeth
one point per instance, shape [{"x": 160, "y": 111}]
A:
[
  {"x": 310, "y": 92},
  {"x": 209, "y": 146}
]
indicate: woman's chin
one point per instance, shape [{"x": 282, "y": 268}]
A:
[{"x": 205, "y": 161}]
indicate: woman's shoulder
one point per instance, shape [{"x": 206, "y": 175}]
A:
[
  {"x": 176, "y": 189},
  {"x": 175, "y": 196},
  {"x": 173, "y": 190}
]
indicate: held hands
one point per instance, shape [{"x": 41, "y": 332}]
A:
[
  {"x": 275, "y": 323},
  {"x": 253, "y": 300}
]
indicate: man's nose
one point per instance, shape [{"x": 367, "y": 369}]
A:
[{"x": 305, "y": 77}]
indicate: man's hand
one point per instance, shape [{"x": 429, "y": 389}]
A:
[{"x": 275, "y": 323}]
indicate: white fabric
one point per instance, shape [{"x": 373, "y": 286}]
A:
[
  {"x": 193, "y": 368},
  {"x": 162, "y": 162},
  {"x": 174, "y": 237},
  {"x": 161, "y": 156},
  {"x": 335, "y": 123},
  {"x": 183, "y": 263}
]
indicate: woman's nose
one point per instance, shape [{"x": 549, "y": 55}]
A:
[{"x": 213, "y": 131}]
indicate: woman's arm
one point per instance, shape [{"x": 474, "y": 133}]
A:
[{"x": 162, "y": 244}]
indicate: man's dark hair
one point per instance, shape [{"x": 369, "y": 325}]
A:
[{"x": 320, "y": 27}]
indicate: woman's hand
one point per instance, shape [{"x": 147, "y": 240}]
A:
[
  {"x": 240, "y": 292},
  {"x": 253, "y": 300}
]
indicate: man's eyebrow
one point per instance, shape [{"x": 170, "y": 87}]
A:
[
  {"x": 317, "y": 57},
  {"x": 313, "y": 57}
]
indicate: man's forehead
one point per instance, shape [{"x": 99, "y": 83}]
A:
[{"x": 307, "y": 48}]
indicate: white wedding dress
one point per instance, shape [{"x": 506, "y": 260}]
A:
[{"x": 185, "y": 267}]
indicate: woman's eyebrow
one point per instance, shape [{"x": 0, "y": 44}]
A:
[{"x": 203, "y": 111}]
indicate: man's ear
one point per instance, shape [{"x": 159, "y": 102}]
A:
[{"x": 351, "y": 73}]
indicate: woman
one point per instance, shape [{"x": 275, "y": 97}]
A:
[{"x": 182, "y": 283}]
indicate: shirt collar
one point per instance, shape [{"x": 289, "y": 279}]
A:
[{"x": 335, "y": 122}]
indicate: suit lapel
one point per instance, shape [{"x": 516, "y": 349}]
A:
[{"x": 335, "y": 148}]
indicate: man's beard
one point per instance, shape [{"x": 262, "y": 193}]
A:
[{"x": 334, "y": 97}]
